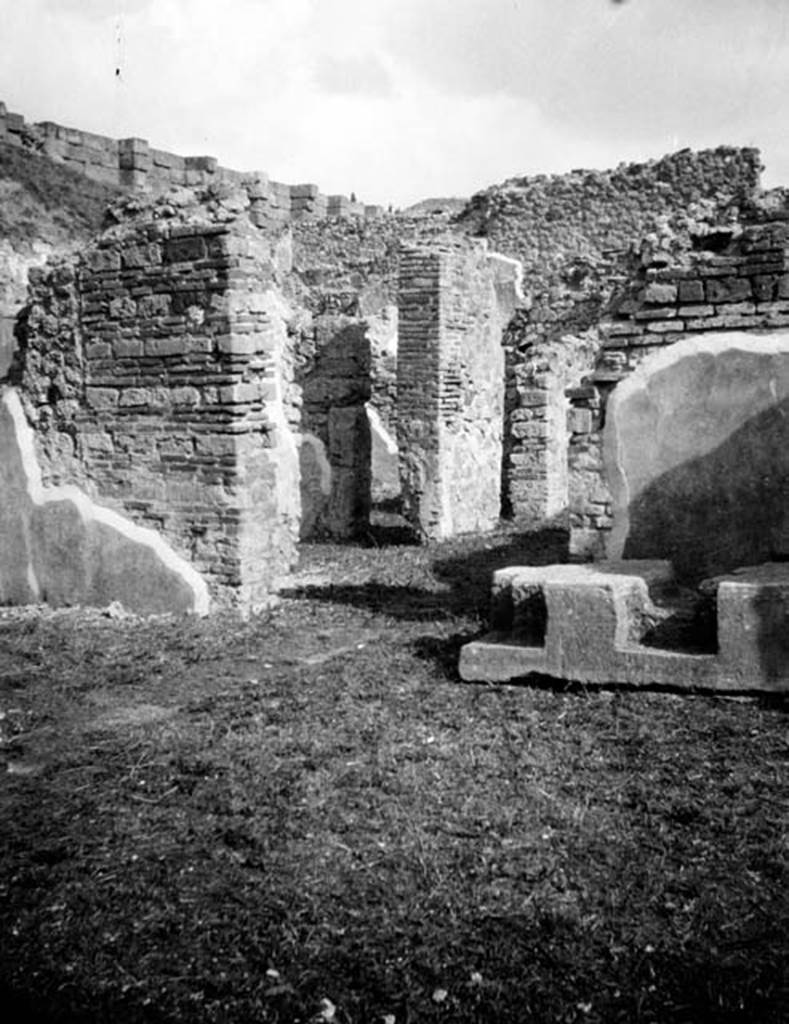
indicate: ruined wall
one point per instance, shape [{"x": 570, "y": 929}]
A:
[
  {"x": 453, "y": 305},
  {"x": 14, "y": 266},
  {"x": 59, "y": 547},
  {"x": 43, "y": 209},
  {"x": 729, "y": 280},
  {"x": 333, "y": 369},
  {"x": 575, "y": 234},
  {"x": 345, "y": 272},
  {"x": 554, "y": 223},
  {"x": 133, "y": 163},
  {"x": 155, "y": 375}
]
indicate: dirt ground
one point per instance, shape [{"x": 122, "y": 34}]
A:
[{"x": 307, "y": 816}]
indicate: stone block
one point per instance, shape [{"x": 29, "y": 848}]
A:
[
  {"x": 149, "y": 306},
  {"x": 133, "y": 179},
  {"x": 580, "y": 421},
  {"x": 728, "y": 289},
  {"x": 239, "y": 394},
  {"x": 587, "y": 624},
  {"x": 764, "y": 287},
  {"x": 657, "y": 313},
  {"x": 97, "y": 442},
  {"x": 98, "y": 350},
  {"x": 696, "y": 310},
  {"x": 658, "y": 294},
  {"x": 207, "y": 164},
  {"x": 185, "y": 249},
  {"x": 185, "y": 396},
  {"x": 127, "y": 348},
  {"x": 135, "y": 257},
  {"x": 664, "y": 326},
  {"x": 304, "y": 191},
  {"x": 169, "y": 346},
  {"x": 101, "y": 398},
  {"x": 103, "y": 259},
  {"x": 168, "y": 161},
  {"x": 133, "y": 397},
  {"x": 122, "y": 308},
  {"x": 215, "y": 445}
]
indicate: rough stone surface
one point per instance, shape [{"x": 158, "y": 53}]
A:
[
  {"x": 58, "y": 547},
  {"x": 576, "y": 235}
]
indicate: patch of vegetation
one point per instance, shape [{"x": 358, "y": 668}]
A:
[
  {"x": 307, "y": 817},
  {"x": 43, "y": 199}
]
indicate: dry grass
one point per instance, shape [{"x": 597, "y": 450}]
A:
[
  {"x": 40, "y": 199},
  {"x": 224, "y": 821}
]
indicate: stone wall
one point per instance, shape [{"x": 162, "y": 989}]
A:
[
  {"x": 133, "y": 163},
  {"x": 732, "y": 279},
  {"x": 454, "y": 302},
  {"x": 345, "y": 273},
  {"x": 154, "y": 370},
  {"x": 15, "y": 263},
  {"x": 554, "y": 223},
  {"x": 333, "y": 369},
  {"x": 575, "y": 235}
]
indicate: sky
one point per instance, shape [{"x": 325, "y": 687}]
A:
[{"x": 400, "y": 100}]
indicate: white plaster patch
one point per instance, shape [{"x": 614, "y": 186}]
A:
[
  {"x": 90, "y": 512},
  {"x": 645, "y": 381},
  {"x": 377, "y": 426},
  {"x": 514, "y": 278}
]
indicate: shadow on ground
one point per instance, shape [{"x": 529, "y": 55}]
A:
[{"x": 452, "y": 579}]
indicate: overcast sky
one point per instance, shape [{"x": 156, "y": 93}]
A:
[{"x": 399, "y": 100}]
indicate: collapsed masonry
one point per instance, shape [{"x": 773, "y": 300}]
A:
[
  {"x": 231, "y": 370},
  {"x": 173, "y": 378}
]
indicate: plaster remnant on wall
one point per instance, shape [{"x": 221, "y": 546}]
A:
[
  {"x": 385, "y": 467},
  {"x": 156, "y": 370},
  {"x": 58, "y": 546},
  {"x": 315, "y": 484},
  {"x": 695, "y": 450}
]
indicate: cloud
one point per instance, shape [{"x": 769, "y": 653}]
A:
[
  {"x": 351, "y": 75},
  {"x": 396, "y": 99},
  {"x": 95, "y": 10}
]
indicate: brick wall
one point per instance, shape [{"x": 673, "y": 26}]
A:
[
  {"x": 453, "y": 306},
  {"x": 154, "y": 373}
]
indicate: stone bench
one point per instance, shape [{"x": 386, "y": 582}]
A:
[{"x": 587, "y": 623}]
